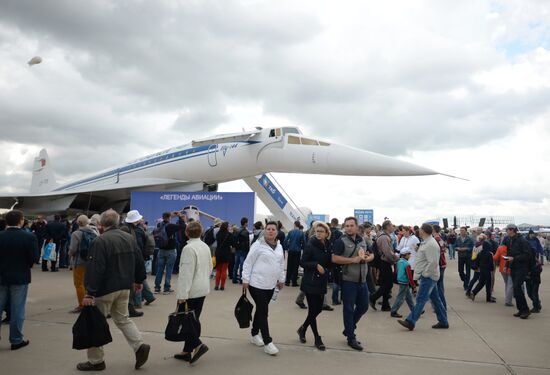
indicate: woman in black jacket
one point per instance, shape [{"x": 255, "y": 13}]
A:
[
  {"x": 486, "y": 266},
  {"x": 316, "y": 260},
  {"x": 224, "y": 241}
]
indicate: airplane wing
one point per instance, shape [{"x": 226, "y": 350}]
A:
[
  {"x": 82, "y": 198},
  {"x": 226, "y": 138},
  {"x": 113, "y": 185}
]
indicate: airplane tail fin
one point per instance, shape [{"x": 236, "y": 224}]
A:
[{"x": 43, "y": 179}]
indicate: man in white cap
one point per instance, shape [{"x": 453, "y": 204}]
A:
[{"x": 132, "y": 226}]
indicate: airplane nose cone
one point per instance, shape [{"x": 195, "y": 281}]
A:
[
  {"x": 353, "y": 161},
  {"x": 336, "y": 159}
]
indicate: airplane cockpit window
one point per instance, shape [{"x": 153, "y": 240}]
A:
[
  {"x": 309, "y": 142},
  {"x": 290, "y": 131},
  {"x": 275, "y": 132},
  {"x": 292, "y": 140}
]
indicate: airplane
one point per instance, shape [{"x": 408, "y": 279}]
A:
[{"x": 200, "y": 166}]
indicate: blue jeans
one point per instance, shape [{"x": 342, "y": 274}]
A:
[
  {"x": 335, "y": 293},
  {"x": 240, "y": 256},
  {"x": 355, "y": 300},
  {"x": 62, "y": 255},
  {"x": 145, "y": 294},
  {"x": 403, "y": 295},
  {"x": 165, "y": 259},
  {"x": 18, "y": 299},
  {"x": 428, "y": 291},
  {"x": 451, "y": 251},
  {"x": 441, "y": 287}
]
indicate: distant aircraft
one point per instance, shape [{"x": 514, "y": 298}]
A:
[{"x": 200, "y": 166}]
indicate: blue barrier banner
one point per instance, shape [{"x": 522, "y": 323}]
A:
[
  {"x": 273, "y": 191},
  {"x": 364, "y": 216},
  {"x": 317, "y": 217},
  {"x": 203, "y": 206}
]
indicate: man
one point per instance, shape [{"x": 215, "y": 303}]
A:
[
  {"x": 464, "y": 246},
  {"x": 57, "y": 231},
  {"x": 17, "y": 256},
  {"x": 388, "y": 258},
  {"x": 165, "y": 235},
  {"x": 442, "y": 263},
  {"x": 132, "y": 226},
  {"x": 335, "y": 272},
  {"x": 426, "y": 272},
  {"x": 281, "y": 235},
  {"x": 535, "y": 244},
  {"x": 349, "y": 251},
  {"x": 335, "y": 232},
  {"x": 519, "y": 254},
  {"x": 81, "y": 241},
  {"x": 295, "y": 242},
  {"x": 369, "y": 241},
  {"x": 39, "y": 230},
  {"x": 533, "y": 279},
  {"x": 242, "y": 246},
  {"x": 114, "y": 266}
]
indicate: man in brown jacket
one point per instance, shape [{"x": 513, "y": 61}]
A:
[{"x": 387, "y": 259}]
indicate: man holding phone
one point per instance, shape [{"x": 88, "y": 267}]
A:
[{"x": 349, "y": 251}]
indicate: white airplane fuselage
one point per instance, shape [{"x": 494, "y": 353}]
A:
[
  {"x": 220, "y": 162},
  {"x": 195, "y": 166}
]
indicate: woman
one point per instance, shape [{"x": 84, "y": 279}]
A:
[
  {"x": 475, "y": 265},
  {"x": 263, "y": 270},
  {"x": 224, "y": 241},
  {"x": 194, "y": 286},
  {"x": 451, "y": 239},
  {"x": 500, "y": 259},
  {"x": 409, "y": 240},
  {"x": 316, "y": 261}
]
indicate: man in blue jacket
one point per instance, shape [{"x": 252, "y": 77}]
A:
[
  {"x": 17, "y": 256},
  {"x": 295, "y": 243}
]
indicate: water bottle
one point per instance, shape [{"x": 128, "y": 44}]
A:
[{"x": 275, "y": 294}]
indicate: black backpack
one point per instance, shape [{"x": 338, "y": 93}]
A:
[
  {"x": 209, "y": 238},
  {"x": 85, "y": 243},
  {"x": 377, "y": 258}
]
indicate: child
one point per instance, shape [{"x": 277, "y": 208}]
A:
[
  {"x": 50, "y": 254},
  {"x": 405, "y": 281}
]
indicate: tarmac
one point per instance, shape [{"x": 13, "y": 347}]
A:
[{"x": 482, "y": 339}]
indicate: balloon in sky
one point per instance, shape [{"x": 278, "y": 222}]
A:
[{"x": 35, "y": 60}]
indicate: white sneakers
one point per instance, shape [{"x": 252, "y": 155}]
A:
[
  {"x": 257, "y": 340},
  {"x": 271, "y": 349}
]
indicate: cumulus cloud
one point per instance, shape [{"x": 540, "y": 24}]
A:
[{"x": 122, "y": 79}]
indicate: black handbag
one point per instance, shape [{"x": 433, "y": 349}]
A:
[
  {"x": 91, "y": 329},
  {"x": 182, "y": 325},
  {"x": 243, "y": 311}
]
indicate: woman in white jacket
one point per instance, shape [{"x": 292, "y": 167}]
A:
[
  {"x": 194, "y": 286},
  {"x": 263, "y": 270}
]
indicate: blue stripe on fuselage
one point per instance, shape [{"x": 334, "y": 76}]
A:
[{"x": 148, "y": 163}]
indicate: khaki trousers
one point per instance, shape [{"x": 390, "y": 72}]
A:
[
  {"x": 116, "y": 304},
  {"x": 78, "y": 279}
]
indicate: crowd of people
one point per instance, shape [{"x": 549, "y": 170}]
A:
[{"x": 108, "y": 256}]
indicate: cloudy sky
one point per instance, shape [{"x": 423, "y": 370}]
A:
[{"x": 460, "y": 87}]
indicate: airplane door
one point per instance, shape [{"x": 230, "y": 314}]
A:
[{"x": 212, "y": 155}]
